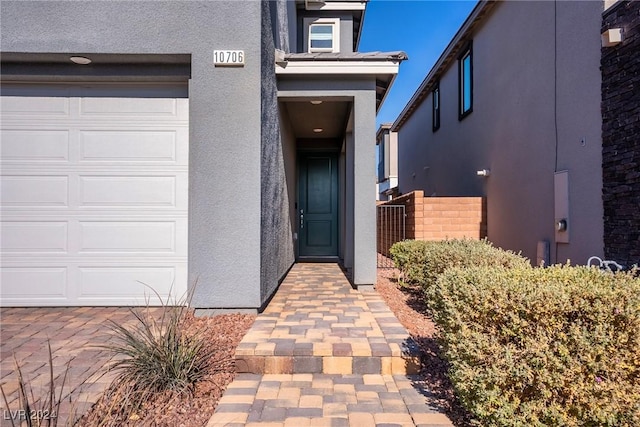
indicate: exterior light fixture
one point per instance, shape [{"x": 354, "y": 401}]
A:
[
  {"x": 316, "y": 102},
  {"x": 612, "y": 37},
  {"x": 318, "y": 130},
  {"x": 81, "y": 60},
  {"x": 483, "y": 172}
]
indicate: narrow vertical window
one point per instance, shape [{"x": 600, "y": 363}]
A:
[
  {"x": 465, "y": 80},
  {"x": 435, "y": 96}
]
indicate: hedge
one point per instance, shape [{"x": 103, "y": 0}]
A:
[
  {"x": 542, "y": 346},
  {"x": 421, "y": 262}
]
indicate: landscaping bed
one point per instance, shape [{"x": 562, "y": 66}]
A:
[
  {"x": 223, "y": 333},
  {"x": 407, "y": 303},
  {"x": 524, "y": 346}
]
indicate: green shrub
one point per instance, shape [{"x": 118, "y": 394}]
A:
[
  {"x": 409, "y": 256},
  {"x": 542, "y": 346},
  {"x": 157, "y": 360},
  {"x": 422, "y": 262}
]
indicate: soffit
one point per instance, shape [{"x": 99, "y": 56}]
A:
[{"x": 330, "y": 116}]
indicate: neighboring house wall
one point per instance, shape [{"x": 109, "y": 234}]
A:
[
  {"x": 387, "y": 146},
  {"x": 393, "y": 159},
  {"x": 535, "y": 99},
  {"x": 621, "y": 135},
  {"x": 224, "y": 155}
]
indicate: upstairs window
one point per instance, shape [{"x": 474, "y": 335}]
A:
[
  {"x": 323, "y": 35},
  {"x": 465, "y": 82},
  {"x": 435, "y": 97}
]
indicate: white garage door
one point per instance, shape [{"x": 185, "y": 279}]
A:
[{"x": 94, "y": 194}]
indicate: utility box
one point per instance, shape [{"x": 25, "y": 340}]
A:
[{"x": 561, "y": 206}]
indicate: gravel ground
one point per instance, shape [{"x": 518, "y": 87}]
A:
[{"x": 226, "y": 331}]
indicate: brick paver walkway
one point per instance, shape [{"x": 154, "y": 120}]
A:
[
  {"x": 324, "y": 354},
  {"x": 73, "y": 333}
]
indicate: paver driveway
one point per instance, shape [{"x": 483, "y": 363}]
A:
[{"x": 73, "y": 333}]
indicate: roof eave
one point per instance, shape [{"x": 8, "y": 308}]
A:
[
  {"x": 473, "y": 20},
  {"x": 383, "y": 67}
]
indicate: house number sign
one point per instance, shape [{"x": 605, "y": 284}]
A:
[{"x": 228, "y": 58}]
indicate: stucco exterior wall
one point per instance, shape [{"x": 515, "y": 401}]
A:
[
  {"x": 580, "y": 126},
  {"x": 224, "y": 145},
  {"x": 393, "y": 155},
  {"x": 346, "y": 28},
  {"x": 526, "y": 79},
  {"x": 359, "y": 160}
]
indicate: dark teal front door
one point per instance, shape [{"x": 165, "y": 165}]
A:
[{"x": 318, "y": 207}]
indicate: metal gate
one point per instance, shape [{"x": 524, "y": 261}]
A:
[{"x": 390, "y": 221}]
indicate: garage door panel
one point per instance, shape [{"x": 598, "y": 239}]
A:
[
  {"x": 44, "y": 145},
  {"x": 128, "y": 107},
  {"x": 27, "y": 283},
  {"x": 125, "y": 282},
  {"x": 35, "y": 191},
  {"x": 123, "y": 190},
  {"x": 129, "y": 236},
  {"x": 34, "y": 236},
  {"x": 128, "y": 146},
  {"x": 33, "y": 106},
  {"x": 94, "y": 193}
]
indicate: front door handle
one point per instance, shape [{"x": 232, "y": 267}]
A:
[{"x": 301, "y": 218}]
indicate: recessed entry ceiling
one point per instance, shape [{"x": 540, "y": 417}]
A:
[{"x": 330, "y": 116}]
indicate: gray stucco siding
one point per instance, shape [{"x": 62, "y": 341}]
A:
[
  {"x": 580, "y": 126},
  {"x": 346, "y": 28},
  {"x": 359, "y": 209},
  {"x": 225, "y": 120},
  {"x": 517, "y": 103}
]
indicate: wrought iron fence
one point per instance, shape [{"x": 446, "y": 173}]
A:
[{"x": 390, "y": 226}]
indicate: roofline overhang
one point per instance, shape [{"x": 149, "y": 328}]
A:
[
  {"x": 381, "y": 129},
  {"x": 379, "y": 70},
  {"x": 338, "y": 67},
  {"x": 336, "y": 5},
  {"x": 474, "y": 19}
]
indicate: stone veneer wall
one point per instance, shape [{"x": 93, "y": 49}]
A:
[
  {"x": 276, "y": 241},
  {"x": 620, "y": 67}
]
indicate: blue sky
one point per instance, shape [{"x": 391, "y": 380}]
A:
[{"x": 422, "y": 29}]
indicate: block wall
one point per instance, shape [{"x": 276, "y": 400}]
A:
[{"x": 433, "y": 218}]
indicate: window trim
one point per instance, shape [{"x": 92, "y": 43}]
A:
[
  {"x": 335, "y": 24},
  {"x": 467, "y": 52},
  {"x": 436, "y": 104}
]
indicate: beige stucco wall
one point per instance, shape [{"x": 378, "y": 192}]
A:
[
  {"x": 512, "y": 129},
  {"x": 393, "y": 154}
]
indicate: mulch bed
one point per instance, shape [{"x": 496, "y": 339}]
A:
[
  {"x": 224, "y": 332},
  {"x": 407, "y": 304}
]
